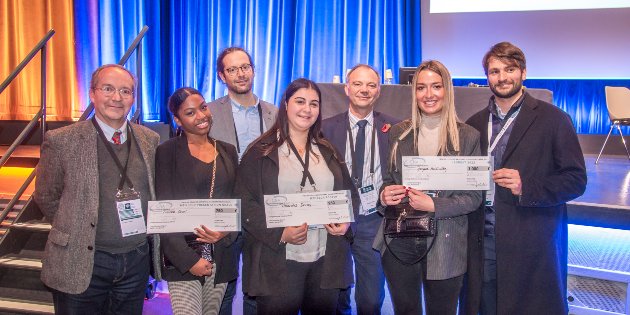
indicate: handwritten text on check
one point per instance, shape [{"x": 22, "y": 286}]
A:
[
  {"x": 171, "y": 216},
  {"x": 446, "y": 172},
  {"x": 312, "y": 208}
]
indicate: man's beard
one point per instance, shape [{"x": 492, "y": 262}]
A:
[
  {"x": 241, "y": 90},
  {"x": 516, "y": 87}
]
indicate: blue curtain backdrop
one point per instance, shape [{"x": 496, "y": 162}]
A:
[
  {"x": 583, "y": 99},
  {"x": 287, "y": 40},
  {"x": 316, "y": 39}
]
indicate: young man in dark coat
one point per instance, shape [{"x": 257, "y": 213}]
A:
[{"x": 538, "y": 167}]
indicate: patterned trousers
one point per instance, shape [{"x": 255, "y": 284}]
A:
[{"x": 191, "y": 298}]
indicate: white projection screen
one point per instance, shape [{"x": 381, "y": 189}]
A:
[
  {"x": 586, "y": 43},
  {"x": 455, "y": 6}
]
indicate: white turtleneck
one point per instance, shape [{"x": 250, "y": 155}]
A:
[{"x": 428, "y": 137}]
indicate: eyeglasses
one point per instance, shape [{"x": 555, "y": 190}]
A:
[
  {"x": 232, "y": 71},
  {"x": 109, "y": 90}
]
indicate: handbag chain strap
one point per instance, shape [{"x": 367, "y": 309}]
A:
[
  {"x": 415, "y": 261},
  {"x": 207, "y": 250},
  {"x": 401, "y": 218},
  {"x": 214, "y": 168}
]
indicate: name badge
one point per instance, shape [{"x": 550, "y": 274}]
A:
[
  {"x": 490, "y": 192},
  {"x": 490, "y": 196},
  {"x": 129, "y": 208},
  {"x": 369, "y": 197}
]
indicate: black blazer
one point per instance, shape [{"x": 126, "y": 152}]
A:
[
  {"x": 531, "y": 231},
  {"x": 264, "y": 258},
  {"x": 172, "y": 174},
  {"x": 335, "y": 129}
]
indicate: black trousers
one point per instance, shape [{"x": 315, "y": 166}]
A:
[
  {"x": 406, "y": 282},
  {"x": 303, "y": 293}
]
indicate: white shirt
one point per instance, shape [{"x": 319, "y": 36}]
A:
[
  {"x": 289, "y": 179},
  {"x": 375, "y": 179}
]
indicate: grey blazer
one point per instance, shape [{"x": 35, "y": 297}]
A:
[
  {"x": 447, "y": 258},
  {"x": 67, "y": 192},
  {"x": 223, "y": 120}
]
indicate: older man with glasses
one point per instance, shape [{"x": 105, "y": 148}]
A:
[{"x": 94, "y": 180}]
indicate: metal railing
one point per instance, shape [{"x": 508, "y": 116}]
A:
[
  {"x": 41, "y": 114},
  {"x": 40, "y": 47},
  {"x": 135, "y": 46}
]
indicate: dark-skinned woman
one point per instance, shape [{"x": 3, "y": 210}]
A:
[{"x": 195, "y": 166}]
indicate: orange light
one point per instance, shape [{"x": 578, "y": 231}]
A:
[{"x": 12, "y": 178}]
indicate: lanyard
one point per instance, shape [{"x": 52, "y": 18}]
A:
[
  {"x": 305, "y": 173},
  {"x": 260, "y": 116},
  {"x": 503, "y": 130},
  {"x": 123, "y": 170},
  {"x": 353, "y": 154}
]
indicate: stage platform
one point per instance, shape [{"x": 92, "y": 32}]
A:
[{"x": 606, "y": 201}]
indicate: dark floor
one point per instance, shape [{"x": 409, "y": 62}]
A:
[{"x": 160, "y": 305}]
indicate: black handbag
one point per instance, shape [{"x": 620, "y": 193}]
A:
[{"x": 402, "y": 220}]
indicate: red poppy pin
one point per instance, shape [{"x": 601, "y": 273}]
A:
[{"x": 386, "y": 127}]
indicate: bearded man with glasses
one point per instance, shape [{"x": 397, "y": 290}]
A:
[{"x": 239, "y": 118}]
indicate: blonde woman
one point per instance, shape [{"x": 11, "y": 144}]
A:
[{"x": 432, "y": 130}]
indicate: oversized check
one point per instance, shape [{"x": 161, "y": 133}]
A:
[
  {"x": 446, "y": 172},
  {"x": 171, "y": 216},
  {"x": 314, "y": 208}
]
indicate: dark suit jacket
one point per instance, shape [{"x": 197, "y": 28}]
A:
[
  {"x": 264, "y": 258},
  {"x": 531, "y": 231},
  {"x": 335, "y": 129},
  {"x": 172, "y": 182},
  {"x": 447, "y": 257},
  {"x": 67, "y": 192}
]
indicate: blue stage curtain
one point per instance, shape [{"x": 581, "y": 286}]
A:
[
  {"x": 287, "y": 40},
  {"x": 583, "y": 99},
  {"x": 104, "y": 30}
]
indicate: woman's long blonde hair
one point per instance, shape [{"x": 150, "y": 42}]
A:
[{"x": 448, "y": 134}]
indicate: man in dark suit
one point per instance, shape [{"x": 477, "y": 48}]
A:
[
  {"x": 360, "y": 136},
  {"x": 94, "y": 180},
  {"x": 238, "y": 119},
  {"x": 538, "y": 167}
]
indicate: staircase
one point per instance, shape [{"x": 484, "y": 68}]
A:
[
  {"x": 21, "y": 251},
  {"x": 23, "y": 236}
]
